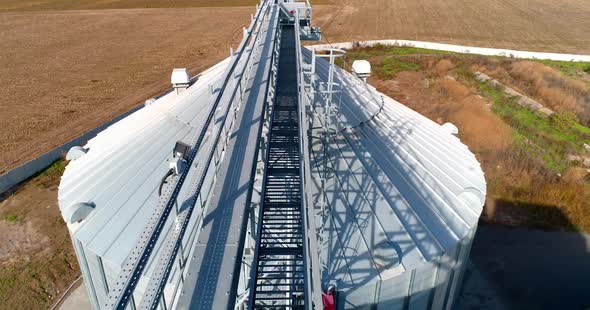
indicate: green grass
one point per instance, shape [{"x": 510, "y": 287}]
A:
[
  {"x": 386, "y": 69},
  {"x": 52, "y": 174},
  {"x": 13, "y": 218},
  {"x": 566, "y": 67},
  {"x": 583, "y": 129},
  {"x": 56, "y": 169},
  {"x": 394, "y": 61},
  {"x": 35, "y": 284},
  {"x": 392, "y": 66},
  {"x": 496, "y": 94},
  {"x": 550, "y": 139}
]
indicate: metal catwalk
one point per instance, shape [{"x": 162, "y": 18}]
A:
[{"x": 280, "y": 268}]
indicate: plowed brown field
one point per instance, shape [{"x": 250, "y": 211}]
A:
[
  {"x": 64, "y": 72},
  {"x": 538, "y": 25}
]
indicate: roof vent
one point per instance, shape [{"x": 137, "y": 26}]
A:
[
  {"x": 180, "y": 79},
  {"x": 149, "y": 102},
  {"x": 78, "y": 212},
  {"x": 362, "y": 69},
  {"x": 450, "y": 128},
  {"x": 76, "y": 152}
]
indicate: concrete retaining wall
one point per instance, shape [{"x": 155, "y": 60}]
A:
[{"x": 462, "y": 49}]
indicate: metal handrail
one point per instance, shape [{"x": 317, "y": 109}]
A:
[
  {"x": 265, "y": 155},
  {"x": 313, "y": 285}
]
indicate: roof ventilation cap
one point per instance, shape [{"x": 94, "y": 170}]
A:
[
  {"x": 450, "y": 128},
  {"x": 361, "y": 69},
  {"x": 180, "y": 79},
  {"x": 76, "y": 152},
  {"x": 149, "y": 102},
  {"x": 78, "y": 212}
]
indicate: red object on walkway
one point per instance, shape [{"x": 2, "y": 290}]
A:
[{"x": 328, "y": 300}]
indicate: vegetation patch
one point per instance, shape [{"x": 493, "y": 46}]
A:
[
  {"x": 13, "y": 218},
  {"x": 387, "y": 60},
  {"x": 568, "y": 68},
  {"x": 551, "y": 139},
  {"x": 51, "y": 175},
  {"x": 38, "y": 262},
  {"x": 34, "y": 284},
  {"x": 528, "y": 182},
  {"x": 393, "y": 65},
  {"x": 532, "y": 179}
]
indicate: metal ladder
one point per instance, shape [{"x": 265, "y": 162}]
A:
[{"x": 280, "y": 268}]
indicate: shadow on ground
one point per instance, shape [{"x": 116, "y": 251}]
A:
[
  {"x": 523, "y": 214},
  {"x": 519, "y": 268}
]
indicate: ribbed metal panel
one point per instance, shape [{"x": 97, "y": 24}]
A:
[
  {"x": 121, "y": 173},
  {"x": 400, "y": 192}
]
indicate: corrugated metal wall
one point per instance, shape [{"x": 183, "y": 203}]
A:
[{"x": 435, "y": 285}]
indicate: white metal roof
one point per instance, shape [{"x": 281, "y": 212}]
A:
[
  {"x": 122, "y": 170},
  {"x": 404, "y": 190}
]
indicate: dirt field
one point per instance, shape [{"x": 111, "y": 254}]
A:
[
  {"x": 37, "y": 261},
  {"x": 44, "y": 5},
  {"x": 63, "y": 73},
  {"x": 538, "y": 25}
]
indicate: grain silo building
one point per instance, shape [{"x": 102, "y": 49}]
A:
[
  {"x": 402, "y": 201},
  {"x": 381, "y": 205}
]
